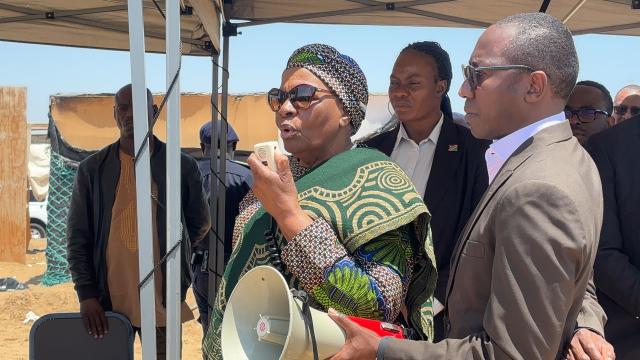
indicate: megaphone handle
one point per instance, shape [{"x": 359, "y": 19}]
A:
[{"x": 308, "y": 319}]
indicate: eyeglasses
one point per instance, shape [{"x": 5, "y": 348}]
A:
[
  {"x": 622, "y": 109},
  {"x": 585, "y": 115},
  {"x": 300, "y": 96},
  {"x": 472, "y": 74}
]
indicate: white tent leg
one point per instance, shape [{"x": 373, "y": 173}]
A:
[
  {"x": 174, "y": 335},
  {"x": 215, "y": 265},
  {"x": 143, "y": 178},
  {"x": 222, "y": 143}
]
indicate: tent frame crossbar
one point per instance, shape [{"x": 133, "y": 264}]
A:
[
  {"x": 371, "y": 6},
  {"x": 70, "y": 17}
]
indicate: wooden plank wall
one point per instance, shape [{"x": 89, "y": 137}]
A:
[{"x": 13, "y": 174}]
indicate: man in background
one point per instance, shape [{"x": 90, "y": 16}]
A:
[
  {"x": 589, "y": 110},
  {"x": 238, "y": 182},
  {"x": 626, "y": 103},
  {"x": 102, "y": 248},
  {"x": 617, "y": 267}
]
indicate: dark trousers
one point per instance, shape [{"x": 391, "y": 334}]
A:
[
  {"x": 200, "y": 290},
  {"x": 161, "y": 341}
]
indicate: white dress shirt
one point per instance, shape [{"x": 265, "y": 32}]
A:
[
  {"x": 416, "y": 159},
  {"x": 500, "y": 151}
]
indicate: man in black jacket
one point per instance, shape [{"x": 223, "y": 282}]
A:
[
  {"x": 617, "y": 267},
  {"x": 102, "y": 236},
  {"x": 445, "y": 162}
]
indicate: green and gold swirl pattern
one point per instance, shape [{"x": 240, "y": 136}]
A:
[{"x": 379, "y": 198}]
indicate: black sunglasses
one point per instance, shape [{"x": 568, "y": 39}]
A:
[
  {"x": 472, "y": 74},
  {"x": 622, "y": 109},
  {"x": 300, "y": 96},
  {"x": 585, "y": 115}
]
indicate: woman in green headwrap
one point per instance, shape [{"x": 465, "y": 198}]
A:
[{"x": 348, "y": 225}]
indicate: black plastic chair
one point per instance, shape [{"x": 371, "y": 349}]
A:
[{"x": 63, "y": 336}]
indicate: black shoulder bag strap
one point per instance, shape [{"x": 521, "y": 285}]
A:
[{"x": 274, "y": 249}]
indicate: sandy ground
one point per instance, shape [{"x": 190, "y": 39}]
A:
[{"x": 14, "y": 305}]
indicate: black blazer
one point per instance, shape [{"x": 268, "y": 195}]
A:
[
  {"x": 616, "y": 152},
  {"x": 457, "y": 181}
]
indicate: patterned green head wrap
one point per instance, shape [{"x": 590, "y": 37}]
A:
[{"x": 340, "y": 73}]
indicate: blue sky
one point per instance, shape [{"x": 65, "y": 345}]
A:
[{"x": 259, "y": 54}]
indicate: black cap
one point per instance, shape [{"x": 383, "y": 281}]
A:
[{"x": 205, "y": 133}]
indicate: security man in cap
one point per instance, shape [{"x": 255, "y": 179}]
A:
[{"x": 238, "y": 182}]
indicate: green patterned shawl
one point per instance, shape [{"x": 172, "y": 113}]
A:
[{"x": 362, "y": 194}]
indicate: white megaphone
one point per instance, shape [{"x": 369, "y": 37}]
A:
[{"x": 263, "y": 321}]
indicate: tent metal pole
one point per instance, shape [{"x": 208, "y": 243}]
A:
[
  {"x": 173, "y": 205},
  {"x": 215, "y": 245},
  {"x": 222, "y": 145},
  {"x": 573, "y": 11},
  {"x": 143, "y": 178},
  {"x": 544, "y": 6}
]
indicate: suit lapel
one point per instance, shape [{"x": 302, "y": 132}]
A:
[
  {"x": 388, "y": 140},
  {"x": 446, "y": 162}
]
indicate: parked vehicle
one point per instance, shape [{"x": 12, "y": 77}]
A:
[{"x": 38, "y": 219}]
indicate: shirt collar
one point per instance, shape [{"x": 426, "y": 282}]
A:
[
  {"x": 506, "y": 146},
  {"x": 433, "y": 137}
]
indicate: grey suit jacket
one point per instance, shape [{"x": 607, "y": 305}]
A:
[{"x": 524, "y": 259}]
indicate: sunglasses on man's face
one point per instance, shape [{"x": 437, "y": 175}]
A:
[
  {"x": 585, "y": 115},
  {"x": 472, "y": 74},
  {"x": 300, "y": 96},
  {"x": 622, "y": 109}
]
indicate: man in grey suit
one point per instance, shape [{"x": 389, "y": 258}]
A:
[{"x": 523, "y": 262}]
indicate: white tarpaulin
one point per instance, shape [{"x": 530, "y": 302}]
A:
[{"x": 39, "y": 155}]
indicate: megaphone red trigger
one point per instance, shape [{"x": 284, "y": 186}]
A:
[{"x": 380, "y": 327}]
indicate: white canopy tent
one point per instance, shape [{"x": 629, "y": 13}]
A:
[
  {"x": 582, "y": 16},
  {"x": 102, "y": 24},
  {"x": 196, "y": 26}
]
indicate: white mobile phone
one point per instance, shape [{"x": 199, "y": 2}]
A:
[{"x": 266, "y": 153}]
